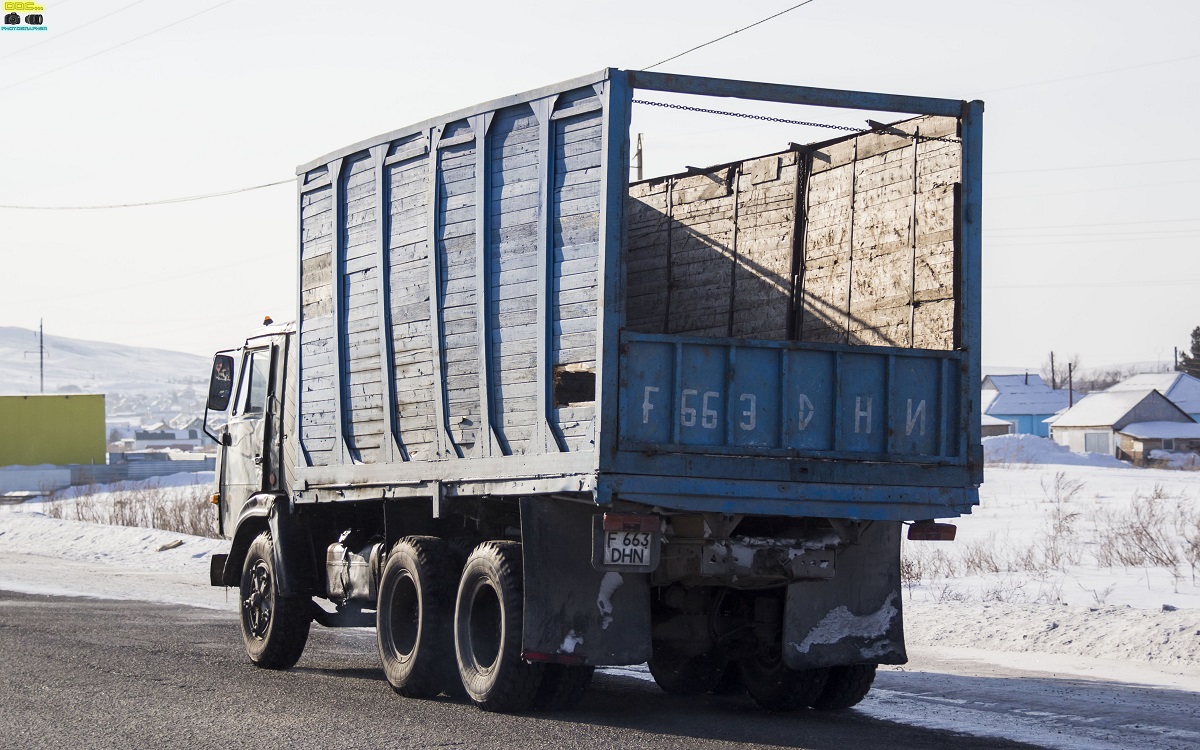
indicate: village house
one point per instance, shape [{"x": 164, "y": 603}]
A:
[
  {"x": 1122, "y": 424},
  {"x": 1181, "y": 389},
  {"x": 1026, "y": 401}
]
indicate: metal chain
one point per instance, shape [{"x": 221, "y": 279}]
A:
[{"x": 783, "y": 120}]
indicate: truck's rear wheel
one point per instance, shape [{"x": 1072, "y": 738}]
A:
[
  {"x": 775, "y": 687},
  {"x": 487, "y": 630},
  {"x": 685, "y": 675},
  {"x": 413, "y": 617},
  {"x": 274, "y": 627},
  {"x": 845, "y": 687}
]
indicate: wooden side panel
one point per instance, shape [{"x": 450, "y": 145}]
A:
[
  {"x": 710, "y": 254},
  {"x": 647, "y": 246},
  {"x": 455, "y": 245},
  {"x": 513, "y": 257},
  {"x": 701, "y": 254},
  {"x": 762, "y": 274},
  {"x": 358, "y": 272},
  {"x": 879, "y": 247},
  {"x": 575, "y": 242},
  {"x": 318, "y": 385},
  {"x": 407, "y": 181}
]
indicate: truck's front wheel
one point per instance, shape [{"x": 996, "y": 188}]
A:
[
  {"x": 487, "y": 630},
  {"x": 274, "y": 627},
  {"x": 416, "y": 604}
]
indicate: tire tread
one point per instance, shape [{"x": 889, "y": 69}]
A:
[{"x": 846, "y": 687}]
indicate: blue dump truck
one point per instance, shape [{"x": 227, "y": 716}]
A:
[{"x": 533, "y": 418}]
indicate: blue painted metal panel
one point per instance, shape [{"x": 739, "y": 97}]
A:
[{"x": 725, "y": 395}]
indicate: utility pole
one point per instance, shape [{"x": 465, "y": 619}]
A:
[
  {"x": 1070, "y": 384},
  {"x": 638, "y": 158},
  {"x": 41, "y": 359},
  {"x": 1053, "y": 373}
]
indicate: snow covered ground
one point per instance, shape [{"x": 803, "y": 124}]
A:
[{"x": 1040, "y": 623}]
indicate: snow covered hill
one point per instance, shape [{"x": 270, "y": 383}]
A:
[
  {"x": 141, "y": 386},
  {"x": 78, "y": 366}
]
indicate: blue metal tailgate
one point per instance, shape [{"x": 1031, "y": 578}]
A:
[{"x": 858, "y": 431}]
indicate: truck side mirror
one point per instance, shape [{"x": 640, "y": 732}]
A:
[{"x": 220, "y": 383}]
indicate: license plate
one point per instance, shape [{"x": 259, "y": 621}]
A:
[
  {"x": 626, "y": 542},
  {"x": 630, "y": 548}
]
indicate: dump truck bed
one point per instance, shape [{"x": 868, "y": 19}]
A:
[{"x": 489, "y": 307}]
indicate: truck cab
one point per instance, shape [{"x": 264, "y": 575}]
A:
[{"x": 245, "y": 416}]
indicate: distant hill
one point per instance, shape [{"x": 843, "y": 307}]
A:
[{"x": 133, "y": 378}]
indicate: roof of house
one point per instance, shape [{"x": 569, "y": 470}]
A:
[
  {"x": 1014, "y": 383},
  {"x": 1107, "y": 408},
  {"x": 988, "y": 419},
  {"x": 1159, "y": 430},
  {"x": 1026, "y": 401},
  {"x": 1181, "y": 388}
]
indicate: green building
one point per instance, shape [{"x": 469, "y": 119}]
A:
[{"x": 52, "y": 430}]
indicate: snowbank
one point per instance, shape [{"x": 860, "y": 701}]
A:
[
  {"x": 1030, "y": 449},
  {"x": 1165, "y": 638},
  {"x": 1176, "y": 461},
  {"x": 182, "y": 479}
]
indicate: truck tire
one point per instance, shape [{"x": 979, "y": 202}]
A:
[
  {"x": 685, "y": 675},
  {"x": 845, "y": 687},
  {"x": 487, "y": 630},
  {"x": 274, "y": 627},
  {"x": 730, "y": 682},
  {"x": 776, "y": 688},
  {"x": 562, "y": 687},
  {"x": 414, "y": 615}
]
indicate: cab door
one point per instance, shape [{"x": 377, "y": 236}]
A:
[{"x": 245, "y": 448}]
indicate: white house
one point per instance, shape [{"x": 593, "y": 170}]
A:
[
  {"x": 1182, "y": 389},
  {"x": 1091, "y": 426}
]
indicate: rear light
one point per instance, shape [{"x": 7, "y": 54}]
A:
[
  {"x": 928, "y": 531},
  {"x": 216, "y": 498},
  {"x": 631, "y": 522}
]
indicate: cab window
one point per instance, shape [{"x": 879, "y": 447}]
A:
[{"x": 252, "y": 392}]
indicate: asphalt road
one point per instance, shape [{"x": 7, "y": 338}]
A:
[{"x": 84, "y": 673}]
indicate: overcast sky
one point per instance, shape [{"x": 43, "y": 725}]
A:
[{"x": 1091, "y": 208}]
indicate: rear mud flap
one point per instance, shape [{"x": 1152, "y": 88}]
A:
[
  {"x": 573, "y": 612},
  {"x": 855, "y": 617}
]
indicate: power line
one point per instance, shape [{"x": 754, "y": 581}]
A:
[
  {"x": 114, "y": 47},
  {"x": 1096, "y": 284},
  {"x": 164, "y": 201},
  {"x": 1093, "y": 224},
  {"x": 1183, "y": 232},
  {"x": 726, "y": 36},
  {"x": 104, "y": 17},
  {"x": 1090, "y": 75},
  {"x": 998, "y": 242},
  {"x": 1094, "y": 190},
  {"x": 1094, "y": 166}
]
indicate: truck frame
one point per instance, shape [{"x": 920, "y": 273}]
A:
[{"x": 532, "y": 419}]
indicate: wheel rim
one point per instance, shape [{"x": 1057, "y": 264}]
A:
[
  {"x": 404, "y": 614},
  {"x": 256, "y": 605},
  {"x": 485, "y": 626}
]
